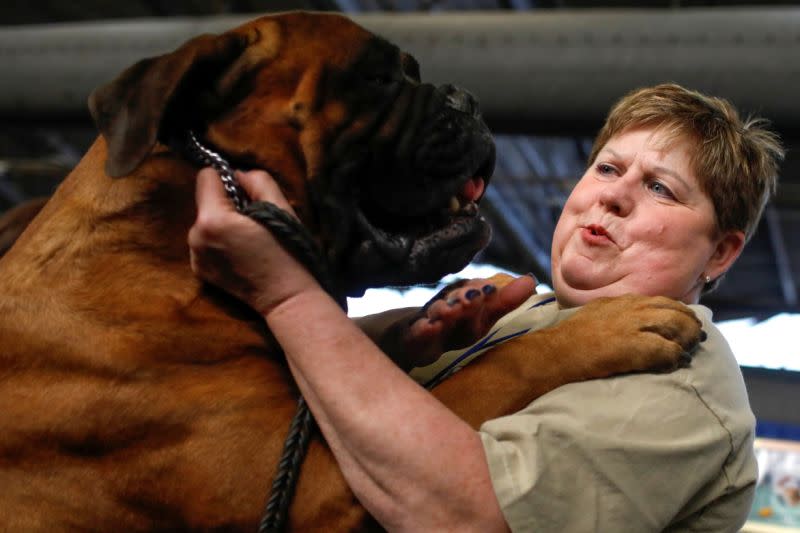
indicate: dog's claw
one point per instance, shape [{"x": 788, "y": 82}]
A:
[{"x": 703, "y": 335}]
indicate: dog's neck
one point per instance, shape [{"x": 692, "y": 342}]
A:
[
  {"x": 91, "y": 215},
  {"x": 127, "y": 239}
]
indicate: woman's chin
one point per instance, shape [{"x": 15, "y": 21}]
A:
[
  {"x": 581, "y": 278},
  {"x": 577, "y": 288},
  {"x": 571, "y": 296}
]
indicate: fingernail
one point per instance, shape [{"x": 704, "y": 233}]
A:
[
  {"x": 452, "y": 301},
  {"x": 703, "y": 335},
  {"x": 489, "y": 289},
  {"x": 534, "y": 277},
  {"x": 472, "y": 294}
]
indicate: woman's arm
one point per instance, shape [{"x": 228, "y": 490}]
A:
[{"x": 411, "y": 461}]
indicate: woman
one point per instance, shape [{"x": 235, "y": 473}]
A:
[{"x": 676, "y": 185}]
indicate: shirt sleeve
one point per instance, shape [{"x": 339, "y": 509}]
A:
[{"x": 619, "y": 454}]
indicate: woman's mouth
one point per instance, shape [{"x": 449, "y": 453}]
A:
[{"x": 596, "y": 235}]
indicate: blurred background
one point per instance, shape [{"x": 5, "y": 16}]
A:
[{"x": 545, "y": 73}]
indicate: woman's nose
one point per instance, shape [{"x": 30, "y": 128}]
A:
[{"x": 617, "y": 196}]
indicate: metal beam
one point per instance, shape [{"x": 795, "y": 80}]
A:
[
  {"x": 507, "y": 219},
  {"x": 782, "y": 264},
  {"x": 538, "y": 71}
]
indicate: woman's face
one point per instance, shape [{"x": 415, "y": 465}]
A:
[{"x": 637, "y": 222}]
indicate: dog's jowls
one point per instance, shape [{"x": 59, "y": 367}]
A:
[{"x": 133, "y": 397}]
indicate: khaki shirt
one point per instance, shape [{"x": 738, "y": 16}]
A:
[{"x": 634, "y": 453}]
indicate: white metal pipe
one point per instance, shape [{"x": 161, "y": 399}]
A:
[{"x": 531, "y": 70}]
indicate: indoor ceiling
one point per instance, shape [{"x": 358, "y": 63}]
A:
[{"x": 539, "y": 156}]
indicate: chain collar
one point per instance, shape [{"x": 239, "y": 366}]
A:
[{"x": 205, "y": 156}]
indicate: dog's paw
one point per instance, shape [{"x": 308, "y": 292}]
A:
[{"x": 635, "y": 333}]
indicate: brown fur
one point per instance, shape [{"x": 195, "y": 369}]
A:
[
  {"x": 135, "y": 398},
  {"x": 14, "y": 221}
]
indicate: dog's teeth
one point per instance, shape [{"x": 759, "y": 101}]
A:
[{"x": 455, "y": 205}]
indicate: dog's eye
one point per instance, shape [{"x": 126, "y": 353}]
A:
[{"x": 381, "y": 78}]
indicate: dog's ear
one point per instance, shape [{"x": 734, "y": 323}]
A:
[{"x": 141, "y": 104}]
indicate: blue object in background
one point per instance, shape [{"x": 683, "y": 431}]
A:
[{"x": 776, "y": 430}]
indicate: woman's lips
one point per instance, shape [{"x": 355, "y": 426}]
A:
[{"x": 595, "y": 235}]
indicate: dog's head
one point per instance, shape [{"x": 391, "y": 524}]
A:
[{"x": 385, "y": 170}]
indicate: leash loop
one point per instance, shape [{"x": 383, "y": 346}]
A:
[{"x": 294, "y": 237}]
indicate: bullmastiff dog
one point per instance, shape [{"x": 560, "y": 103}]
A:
[{"x": 135, "y": 398}]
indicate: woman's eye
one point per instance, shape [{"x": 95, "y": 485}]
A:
[
  {"x": 605, "y": 169},
  {"x": 660, "y": 189}
]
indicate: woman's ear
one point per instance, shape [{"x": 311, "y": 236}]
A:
[{"x": 729, "y": 246}]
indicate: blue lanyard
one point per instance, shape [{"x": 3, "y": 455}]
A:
[{"x": 487, "y": 342}]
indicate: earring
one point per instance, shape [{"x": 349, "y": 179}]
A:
[{"x": 707, "y": 279}]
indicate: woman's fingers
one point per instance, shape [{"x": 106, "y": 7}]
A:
[
  {"x": 512, "y": 296},
  {"x": 261, "y": 187},
  {"x": 209, "y": 192},
  {"x": 258, "y": 184}
]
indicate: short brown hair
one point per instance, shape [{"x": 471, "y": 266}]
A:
[{"x": 736, "y": 161}]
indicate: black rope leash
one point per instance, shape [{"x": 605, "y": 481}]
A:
[
  {"x": 285, "y": 480},
  {"x": 299, "y": 242}
]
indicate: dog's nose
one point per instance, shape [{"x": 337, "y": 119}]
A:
[{"x": 459, "y": 99}]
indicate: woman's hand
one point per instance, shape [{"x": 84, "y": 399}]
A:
[
  {"x": 459, "y": 315},
  {"x": 236, "y": 253}
]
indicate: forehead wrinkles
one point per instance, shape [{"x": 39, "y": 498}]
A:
[
  {"x": 662, "y": 142},
  {"x": 669, "y": 135}
]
